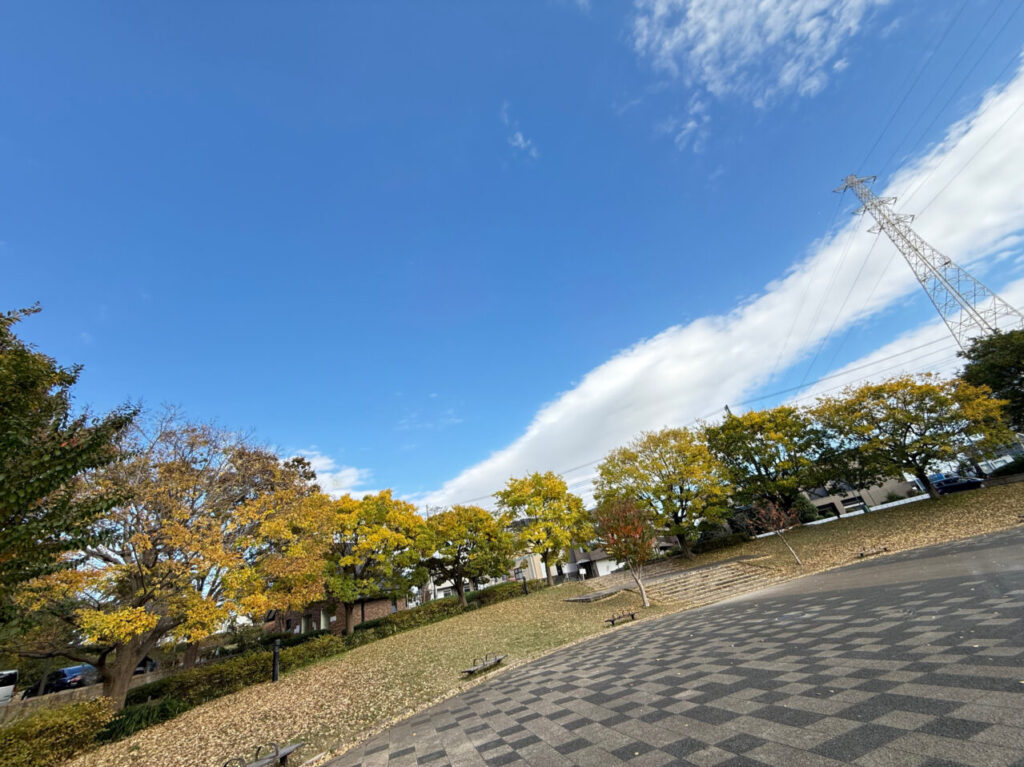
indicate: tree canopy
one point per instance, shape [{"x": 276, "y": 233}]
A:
[
  {"x": 46, "y": 451},
  {"x": 177, "y": 556},
  {"x": 672, "y": 474},
  {"x": 917, "y": 424},
  {"x": 548, "y": 519},
  {"x": 626, "y": 530},
  {"x": 466, "y": 543},
  {"x": 769, "y": 455},
  {"x": 997, "y": 361}
]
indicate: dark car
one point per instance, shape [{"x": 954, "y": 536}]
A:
[
  {"x": 67, "y": 678},
  {"x": 956, "y": 484}
]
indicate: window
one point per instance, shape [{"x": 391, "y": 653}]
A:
[{"x": 394, "y": 605}]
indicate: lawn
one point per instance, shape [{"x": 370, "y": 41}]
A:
[{"x": 334, "y": 704}]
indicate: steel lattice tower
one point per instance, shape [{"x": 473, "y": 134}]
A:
[{"x": 968, "y": 308}]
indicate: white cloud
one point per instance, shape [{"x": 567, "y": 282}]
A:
[
  {"x": 693, "y": 370},
  {"x": 337, "y": 480},
  {"x": 752, "y": 50},
  {"x": 516, "y": 139}
]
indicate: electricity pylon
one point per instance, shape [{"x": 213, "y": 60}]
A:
[{"x": 969, "y": 309}]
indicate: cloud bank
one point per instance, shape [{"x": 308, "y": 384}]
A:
[{"x": 693, "y": 370}]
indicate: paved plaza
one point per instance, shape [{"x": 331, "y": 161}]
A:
[{"x": 914, "y": 659}]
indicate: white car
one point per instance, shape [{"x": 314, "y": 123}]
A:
[{"x": 8, "y": 681}]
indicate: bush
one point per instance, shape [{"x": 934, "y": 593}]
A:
[
  {"x": 131, "y": 719},
  {"x": 721, "y": 542},
  {"x": 805, "y": 510},
  {"x": 52, "y": 736},
  {"x": 370, "y": 624}
]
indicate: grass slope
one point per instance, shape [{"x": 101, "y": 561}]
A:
[{"x": 335, "y": 703}]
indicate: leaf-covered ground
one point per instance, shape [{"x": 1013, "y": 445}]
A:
[{"x": 335, "y": 703}]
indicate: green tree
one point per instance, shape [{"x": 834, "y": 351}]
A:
[
  {"x": 672, "y": 474},
  {"x": 176, "y": 557},
  {"x": 627, "y": 532},
  {"x": 916, "y": 425},
  {"x": 997, "y": 361},
  {"x": 769, "y": 455},
  {"x": 376, "y": 550},
  {"x": 548, "y": 518},
  {"x": 45, "y": 453},
  {"x": 466, "y": 543}
]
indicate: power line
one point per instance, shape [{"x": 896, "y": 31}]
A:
[
  {"x": 842, "y": 306},
  {"x": 924, "y": 65},
  {"x": 971, "y": 159},
  {"x": 780, "y": 392},
  {"x": 963, "y": 80},
  {"x": 920, "y": 185},
  {"x": 942, "y": 85}
]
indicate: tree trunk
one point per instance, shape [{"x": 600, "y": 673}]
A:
[
  {"x": 350, "y": 618},
  {"x": 191, "y": 655},
  {"x": 635, "y": 571},
  {"x": 783, "y": 539},
  {"x": 684, "y": 545},
  {"x": 117, "y": 676},
  {"x": 460, "y": 589},
  {"x": 547, "y": 572},
  {"x": 928, "y": 486}
]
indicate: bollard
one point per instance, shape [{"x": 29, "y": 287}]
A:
[{"x": 276, "y": 673}]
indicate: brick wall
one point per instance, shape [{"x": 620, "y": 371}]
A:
[{"x": 369, "y": 610}]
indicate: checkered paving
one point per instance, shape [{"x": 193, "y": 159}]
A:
[{"x": 922, "y": 673}]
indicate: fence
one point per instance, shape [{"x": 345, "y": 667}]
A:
[{"x": 17, "y": 708}]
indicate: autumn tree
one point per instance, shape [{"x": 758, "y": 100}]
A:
[
  {"x": 548, "y": 519},
  {"x": 997, "y": 361},
  {"x": 770, "y": 456},
  {"x": 916, "y": 424},
  {"x": 672, "y": 474},
  {"x": 627, "y": 531},
  {"x": 375, "y": 552},
  {"x": 46, "y": 451},
  {"x": 466, "y": 543},
  {"x": 175, "y": 557}
]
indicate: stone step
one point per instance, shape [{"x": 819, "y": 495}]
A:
[{"x": 710, "y": 585}]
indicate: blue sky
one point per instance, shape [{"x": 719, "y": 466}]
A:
[{"x": 433, "y": 245}]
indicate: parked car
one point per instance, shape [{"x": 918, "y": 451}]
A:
[
  {"x": 67, "y": 678},
  {"x": 956, "y": 484},
  {"x": 8, "y": 681}
]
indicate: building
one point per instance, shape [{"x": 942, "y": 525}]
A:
[
  {"x": 831, "y": 504},
  {"x": 321, "y": 616}
]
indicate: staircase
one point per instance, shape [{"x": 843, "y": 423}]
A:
[
  {"x": 622, "y": 578},
  {"x": 710, "y": 584}
]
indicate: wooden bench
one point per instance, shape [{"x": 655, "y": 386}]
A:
[
  {"x": 872, "y": 552},
  {"x": 481, "y": 664},
  {"x": 274, "y": 755},
  {"x": 621, "y": 617}
]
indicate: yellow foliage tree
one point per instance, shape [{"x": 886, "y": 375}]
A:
[
  {"x": 375, "y": 550},
  {"x": 915, "y": 425},
  {"x": 673, "y": 475},
  {"x": 175, "y": 558},
  {"x": 466, "y": 542},
  {"x": 548, "y": 519}
]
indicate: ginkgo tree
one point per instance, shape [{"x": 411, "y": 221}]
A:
[
  {"x": 175, "y": 558},
  {"x": 466, "y": 543},
  {"x": 547, "y": 518},
  {"x": 672, "y": 474},
  {"x": 770, "y": 456},
  {"x": 915, "y": 424},
  {"x": 376, "y": 550}
]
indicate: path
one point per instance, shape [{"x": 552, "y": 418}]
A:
[{"x": 915, "y": 659}]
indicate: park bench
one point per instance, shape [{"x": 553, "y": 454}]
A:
[
  {"x": 480, "y": 664},
  {"x": 621, "y": 617},
  {"x": 872, "y": 552},
  {"x": 266, "y": 756}
]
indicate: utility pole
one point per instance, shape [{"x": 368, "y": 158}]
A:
[{"x": 969, "y": 309}]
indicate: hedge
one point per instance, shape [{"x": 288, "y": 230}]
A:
[
  {"x": 721, "y": 542},
  {"x": 1016, "y": 466},
  {"x": 51, "y": 736}
]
